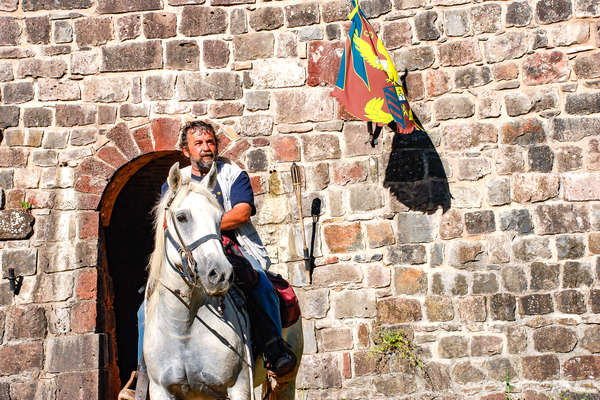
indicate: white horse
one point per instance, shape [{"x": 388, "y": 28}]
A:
[{"x": 196, "y": 341}]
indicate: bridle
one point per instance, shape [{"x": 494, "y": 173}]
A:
[{"x": 188, "y": 264}]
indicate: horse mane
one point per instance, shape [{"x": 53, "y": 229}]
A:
[{"x": 156, "y": 258}]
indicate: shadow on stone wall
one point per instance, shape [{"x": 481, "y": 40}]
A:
[{"x": 415, "y": 174}]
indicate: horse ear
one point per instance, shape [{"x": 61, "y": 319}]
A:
[
  {"x": 174, "y": 179},
  {"x": 210, "y": 180}
]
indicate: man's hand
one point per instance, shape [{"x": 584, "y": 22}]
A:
[{"x": 236, "y": 217}]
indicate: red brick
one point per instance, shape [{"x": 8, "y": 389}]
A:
[
  {"x": 18, "y": 358},
  {"x": 343, "y": 238},
  {"x": 88, "y": 224},
  {"x": 258, "y": 184},
  {"x": 165, "y": 132},
  {"x": 437, "y": 82},
  {"x": 415, "y": 89},
  {"x": 87, "y": 284},
  {"x": 286, "y": 148},
  {"x": 143, "y": 140},
  {"x": 121, "y": 137},
  {"x": 88, "y": 201},
  {"x": 347, "y": 366},
  {"x": 324, "y": 62},
  {"x": 41, "y": 198},
  {"x": 235, "y": 151},
  {"x": 95, "y": 167},
  {"x": 83, "y": 317},
  {"x": 112, "y": 156},
  {"x": 14, "y": 198},
  {"x": 363, "y": 335},
  {"x": 90, "y": 184}
]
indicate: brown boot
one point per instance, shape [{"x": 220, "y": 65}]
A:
[{"x": 279, "y": 357}]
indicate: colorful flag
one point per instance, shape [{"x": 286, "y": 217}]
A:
[{"x": 367, "y": 85}]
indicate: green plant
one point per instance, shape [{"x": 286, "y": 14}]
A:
[
  {"x": 25, "y": 205},
  {"x": 509, "y": 387},
  {"x": 395, "y": 341}
]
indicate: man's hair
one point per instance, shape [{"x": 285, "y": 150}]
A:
[{"x": 200, "y": 125}]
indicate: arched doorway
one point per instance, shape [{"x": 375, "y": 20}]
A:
[{"x": 128, "y": 240}]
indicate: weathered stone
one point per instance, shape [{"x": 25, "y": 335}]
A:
[
  {"x": 414, "y": 228},
  {"x": 22, "y": 357},
  {"x": 85, "y": 63},
  {"x": 453, "y": 347},
  {"x": 553, "y": 339},
  {"x": 534, "y": 188},
  {"x": 309, "y": 33},
  {"x": 182, "y": 54},
  {"x": 6, "y": 71},
  {"x": 437, "y": 82},
  {"x": 473, "y": 169},
  {"x": 449, "y": 284},
  {"x": 17, "y": 137},
  {"x": 514, "y": 279},
  {"x": 73, "y": 353},
  {"x": 456, "y": 22},
  {"x": 15, "y": 224},
  {"x": 567, "y": 34},
  {"x": 455, "y": 106},
  {"x": 334, "y": 339},
  {"x": 499, "y": 368},
  {"x": 294, "y": 106},
  {"x": 591, "y": 339},
  {"x": 463, "y": 254},
  {"x": 498, "y": 191},
  {"x": 451, "y": 224},
  {"x": 468, "y": 77},
  {"x": 215, "y": 53},
  {"x": 396, "y": 34},
  {"x": 267, "y": 73},
  {"x": 354, "y": 304},
  {"x": 499, "y": 250},
  {"x": 486, "y": 346},
  {"x": 72, "y": 114},
  {"x": 405, "y": 254},
  {"x": 518, "y": 13},
  {"x": 320, "y": 371},
  {"x": 10, "y": 31},
  {"x": 570, "y": 247},
  {"x": 576, "y": 275},
  {"x": 502, "y": 307},
  {"x": 540, "y": 368},
  {"x": 574, "y": 129},
  {"x": 582, "y": 368},
  {"x": 106, "y": 89},
  {"x": 485, "y": 283},
  {"x": 159, "y": 25},
  {"x": 472, "y": 309},
  {"x": 93, "y": 31},
  {"x": 253, "y": 46},
  {"x": 395, "y": 310},
  {"x": 266, "y": 18},
  {"x": 122, "y": 6},
  {"x": 542, "y": 68},
  {"x": 132, "y": 56},
  {"x": 594, "y": 301},
  {"x": 302, "y": 14},
  {"x": 583, "y": 103},
  {"x": 523, "y": 132},
  {"x": 518, "y": 104},
  {"x": 480, "y": 221},
  {"x": 531, "y": 248},
  {"x": 413, "y": 58},
  {"x": 26, "y": 323},
  {"x": 129, "y": 27},
  {"x": 257, "y": 100},
  {"x": 343, "y": 238},
  {"x": 541, "y": 158},
  {"x": 460, "y": 52},
  {"x": 216, "y": 85},
  {"x": 569, "y": 159},
  {"x": 426, "y": 25},
  {"x": 365, "y": 198},
  {"x": 410, "y": 281},
  {"x": 516, "y": 220},
  {"x": 9, "y": 5},
  {"x": 52, "y": 89},
  {"x": 18, "y": 92},
  {"x": 439, "y": 308},
  {"x": 536, "y": 304},
  {"x": 37, "y": 68},
  {"x": 561, "y": 218},
  {"x": 159, "y": 87},
  {"x": 549, "y": 11},
  {"x": 238, "y": 23},
  {"x": 587, "y": 66},
  {"x": 314, "y": 303},
  {"x": 23, "y": 261},
  {"x": 38, "y": 29},
  {"x": 13, "y": 157}
]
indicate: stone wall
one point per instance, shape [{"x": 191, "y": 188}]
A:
[{"x": 506, "y": 281}]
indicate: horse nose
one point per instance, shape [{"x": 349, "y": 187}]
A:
[{"x": 216, "y": 277}]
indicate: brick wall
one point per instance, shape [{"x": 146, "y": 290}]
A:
[{"x": 506, "y": 280}]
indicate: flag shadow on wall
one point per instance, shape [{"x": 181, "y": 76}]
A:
[{"x": 415, "y": 174}]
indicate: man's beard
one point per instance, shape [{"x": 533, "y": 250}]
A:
[{"x": 204, "y": 165}]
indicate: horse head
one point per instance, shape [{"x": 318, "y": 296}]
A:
[{"x": 192, "y": 218}]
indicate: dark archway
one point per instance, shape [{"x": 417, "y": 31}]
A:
[{"x": 128, "y": 233}]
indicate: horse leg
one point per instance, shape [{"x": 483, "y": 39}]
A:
[{"x": 242, "y": 387}]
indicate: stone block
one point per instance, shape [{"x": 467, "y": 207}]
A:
[
  {"x": 472, "y": 309},
  {"x": 540, "y": 368},
  {"x": 486, "y": 18},
  {"x": 472, "y": 169},
  {"x": 182, "y": 54},
  {"x": 439, "y": 308},
  {"x": 437, "y": 82},
  {"x": 375, "y": 8},
  {"x": 93, "y": 31},
  {"x": 543, "y": 68},
  {"x": 576, "y": 274},
  {"x": 509, "y": 160},
  {"x": 415, "y": 228},
  {"x": 15, "y": 224},
  {"x": 355, "y": 137},
  {"x": 468, "y": 77},
  {"x": 75, "y": 353},
  {"x": 253, "y": 46},
  {"x": 159, "y": 25},
  {"x": 594, "y": 301},
  {"x": 550, "y": 11},
  {"x": 129, "y": 27},
  {"x": 314, "y": 303},
  {"x": 480, "y": 222},
  {"x": 85, "y": 63},
  {"x": 320, "y": 147},
  {"x": 335, "y": 339},
  {"x": 587, "y": 66},
  {"x": 350, "y": 172},
  {"x": 405, "y": 254},
  {"x": 159, "y": 87},
  {"x": 454, "y": 106},
  {"x": 451, "y": 224},
  {"x": 215, "y": 53},
  {"x": 535, "y": 188},
  {"x": 106, "y": 89},
  {"x": 10, "y": 157},
  {"x": 257, "y": 100},
  {"x": 514, "y": 279},
  {"x": 531, "y": 248},
  {"x": 63, "y": 32},
  {"x": 365, "y": 198},
  {"x": 9, "y": 5},
  {"x": 453, "y": 347},
  {"x": 23, "y": 261},
  {"x": 462, "y": 254},
  {"x": 414, "y": 58},
  {"x": 449, "y": 284},
  {"x": 561, "y": 218},
  {"x": 570, "y": 247},
  {"x": 10, "y": 31},
  {"x": 460, "y": 52},
  {"x": 536, "y": 304},
  {"x": 582, "y": 368},
  {"x": 238, "y": 23},
  {"x": 523, "y": 132},
  {"x": 72, "y": 385},
  {"x": 465, "y": 373},
  {"x": 320, "y": 371},
  {"x": 75, "y": 115},
  {"x": 502, "y": 307},
  {"x": 397, "y": 310},
  {"x": 396, "y": 34},
  {"x": 456, "y": 22},
  {"x": 323, "y": 62},
  {"x": 583, "y": 103},
  {"x": 554, "y": 339},
  {"x": 18, "y": 92},
  {"x": 337, "y": 274},
  {"x": 17, "y": 137},
  {"x": 516, "y": 220},
  {"x": 569, "y": 158},
  {"x": 426, "y": 25},
  {"x": 6, "y": 72},
  {"x": 574, "y": 129},
  {"x": 19, "y": 358},
  {"x": 486, "y": 345},
  {"x": 591, "y": 339},
  {"x": 26, "y": 323},
  {"x": 485, "y": 283},
  {"x": 518, "y": 13},
  {"x": 266, "y": 18},
  {"x": 336, "y": 10},
  {"x": 123, "y": 6},
  {"x": 410, "y": 281},
  {"x": 302, "y": 14},
  {"x": 38, "y": 29},
  {"x": 343, "y": 238},
  {"x": 354, "y": 304},
  {"x": 267, "y": 73},
  {"x": 137, "y": 56},
  {"x": 216, "y": 85},
  {"x": 52, "y": 89},
  {"x": 541, "y": 158}
]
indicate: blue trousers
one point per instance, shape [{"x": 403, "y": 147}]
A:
[{"x": 264, "y": 295}]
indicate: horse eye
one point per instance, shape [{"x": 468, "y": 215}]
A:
[{"x": 181, "y": 217}]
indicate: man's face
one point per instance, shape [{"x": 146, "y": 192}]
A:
[{"x": 201, "y": 148}]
